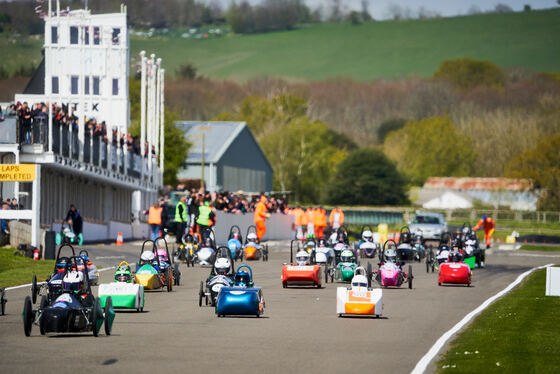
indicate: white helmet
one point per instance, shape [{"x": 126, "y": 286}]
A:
[
  {"x": 359, "y": 280},
  {"x": 302, "y": 258},
  {"x": 252, "y": 237},
  {"x": 367, "y": 236},
  {"x": 147, "y": 256},
  {"x": 222, "y": 265}
]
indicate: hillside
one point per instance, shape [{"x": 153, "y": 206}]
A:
[{"x": 375, "y": 50}]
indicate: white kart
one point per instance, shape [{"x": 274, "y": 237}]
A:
[{"x": 359, "y": 299}]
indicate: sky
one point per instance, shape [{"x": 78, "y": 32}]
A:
[{"x": 380, "y": 9}]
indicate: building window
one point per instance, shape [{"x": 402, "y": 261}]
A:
[
  {"x": 54, "y": 35},
  {"x": 96, "y": 35},
  {"x": 85, "y": 30},
  {"x": 116, "y": 36},
  {"x": 74, "y": 85},
  {"x": 86, "y": 85},
  {"x": 74, "y": 31},
  {"x": 54, "y": 83},
  {"x": 115, "y": 86},
  {"x": 96, "y": 85}
]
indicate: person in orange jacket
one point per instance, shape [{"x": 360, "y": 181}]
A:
[
  {"x": 300, "y": 220},
  {"x": 310, "y": 217},
  {"x": 261, "y": 215},
  {"x": 489, "y": 226},
  {"x": 336, "y": 218},
  {"x": 320, "y": 221}
]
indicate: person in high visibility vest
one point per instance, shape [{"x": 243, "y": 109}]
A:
[
  {"x": 206, "y": 216},
  {"x": 300, "y": 220},
  {"x": 261, "y": 215},
  {"x": 320, "y": 222},
  {"x": 310, "y": 215},
  {"x": 489, "y": 226},
  {"x": 336, "y": 218},
  {"x": 154, "y": 219},
  {"x": 181, "y": 219}
]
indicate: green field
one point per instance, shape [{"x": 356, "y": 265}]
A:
[
  {"x": 517, "y": 334},
  {"x": 374, "y": 50},
  {"x": 15, "y": 270}
]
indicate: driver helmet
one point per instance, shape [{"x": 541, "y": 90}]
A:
[
  {"x": 243, "y": 279},
  {"x": 405, "y": 237},
  {"x": 455, "y": 256},
  {"x": 302, "y": 258},
  {"x": 61, "y": 264},
  {"x": 123, "y": 275},
  {"x": 367, "y": 236},
  {"x": 443, "y": 248},
  {"x": 418, "y": 235},
  {"x": 222, "y": 266},
  {"x": 322, "y": 243},
  {"x": 390, "y": 255},
  {"x": 235, "y": 235},
  {"x": 310, "y": 245},
  {"x": 147, "y": 257},
  {"x": 252, "y": 237},
  {"x": 208, "y": 242},
  {"x": 341, "y": 237},
  {"x": 347, "y": 256},
  {"x": 466, "y": 230},
  {"x": 189, "y": 239},
  {"x": 162, "y": 254},
  {"x": 73, "y": 281}
]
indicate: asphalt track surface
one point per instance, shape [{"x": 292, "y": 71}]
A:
[{"x": 299, "y": 332}]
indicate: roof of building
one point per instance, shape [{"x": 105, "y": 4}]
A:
[
  {"x": 36, "y": 85},
  {"x": 218, "y": 136},
  {"x": 449, "y": 200},
  {"x": 484, "y": 184}
]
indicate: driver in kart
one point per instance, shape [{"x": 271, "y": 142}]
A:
[
  {"x": 252, "y": 240},
  {"x": 242, "y": 279},
  {"x": 302, "y": 258},
  {"x": 443, "y": 254}
]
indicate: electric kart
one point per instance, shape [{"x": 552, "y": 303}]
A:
[
  {"x": 418, "y": 245},
  {"x": 220, "y": 276},
  {"x": 67, "y": 236},
  {"x": 344, "y": 269},
  {"x": 207, "y": 249},
  {"x": 390, "y": 272},
  {"x": 367, "y": 247},
  {"x": 359, "y": 298},
  {"x": 474, "y": 254},
  {"x": 323, "y": 255},
  {"x": 234, "y": 243},
  {"x": 302, "y": 272},
  {"x": 253, "y": 249},
  {"x": 124, "y": 293},
  {"x": 186, "y": 252},
  {"x": 74, "y": 310},
  {"x": 242, "y": 298},
  {"x": 405, "y": 249},
  {"x": 92, "y": 269},
  {"x": 53, "y": 284},
  {"x": 154, "y": 269},
  {"x": 454, "y": 270}
]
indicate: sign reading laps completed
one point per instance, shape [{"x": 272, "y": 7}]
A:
[{"x": 17, "y": 173}]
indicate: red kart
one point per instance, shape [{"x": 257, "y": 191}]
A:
[
  {"x": 302, "y": 272},
  {"x": 454, "y": 271}
]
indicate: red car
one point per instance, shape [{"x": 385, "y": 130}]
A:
[{"x": 454, "y": 271}]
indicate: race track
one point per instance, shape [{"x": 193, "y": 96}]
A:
[{"x": 299, "y": 332}]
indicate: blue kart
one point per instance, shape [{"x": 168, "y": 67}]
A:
[
  {"x": 234, "y": 243},
  {"x": 242, "y": 298}
]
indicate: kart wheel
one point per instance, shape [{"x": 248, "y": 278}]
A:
[
  {"x": 206, "y": 299},
  {"x": 410, "y": 276},
  {"x": 34, "y": 289},
  {"x": 176, "y": 274},
  {"x": 200, "y": 294},
  {"x": 94, "y": 317},
  {"x": 107, "y": 311},
  {"x": 42, "y": 306},
  {"x": 326, "y": 274},
  {"x": 368, "y": 274},
  {"x": 169, "y": 279},
  {"x": 427, "y": 266},
  {"x": 28, "y": 316},
  {"x": 439, "y": 284}
]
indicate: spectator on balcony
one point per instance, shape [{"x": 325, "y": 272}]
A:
[{"x": 24, "y": 114}]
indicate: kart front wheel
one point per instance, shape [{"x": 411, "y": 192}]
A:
[
  {"x": 34, "y": 289},
  {"x": 108, "y": 310},
  {"x": 176, "y": 274},
  {"x": 28, "y": 316},
  {"x": 200, "y": 294},
  {"x": 42, "y": 307},
  {"x": 94, "y": 316},
  {"x": 169, "y": 279},
  {"x": 410, "y": 276}
]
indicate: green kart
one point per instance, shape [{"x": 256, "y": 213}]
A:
[
  {"x": 344, "y": 270},
  {"x": 123, "y": 292}
]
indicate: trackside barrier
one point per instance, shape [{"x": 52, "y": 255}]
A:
[{"x": 278, "y": 226}]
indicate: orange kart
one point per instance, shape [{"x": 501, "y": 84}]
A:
[{"x": 302, "y": 272}]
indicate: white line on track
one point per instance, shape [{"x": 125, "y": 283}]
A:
[
  {"x": 39, "y": 283},
  {"x": 428, "y": 357}
]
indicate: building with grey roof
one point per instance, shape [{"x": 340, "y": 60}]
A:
[{"x": 233, "y": 159}]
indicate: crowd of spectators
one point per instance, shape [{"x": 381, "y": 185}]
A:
[
  {"x": 235, "y": 202},
  {"x": 64, "y": 119}
]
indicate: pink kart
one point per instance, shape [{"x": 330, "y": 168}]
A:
[{"x": 390, "y": 272}]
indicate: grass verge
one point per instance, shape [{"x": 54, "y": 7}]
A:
[
  {"x": 544, "y": 248},
  {"x": 517, "y": 334},
  {"x": 16, "y": 270}
]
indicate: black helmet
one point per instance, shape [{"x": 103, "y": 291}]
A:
[
  {"x": 455, "y": 256},
  {"x": 62, "y": 263},
  {"x": 405, "y": 237}
]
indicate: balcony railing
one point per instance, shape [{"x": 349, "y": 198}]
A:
[{"x": 95, "y": 150}]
